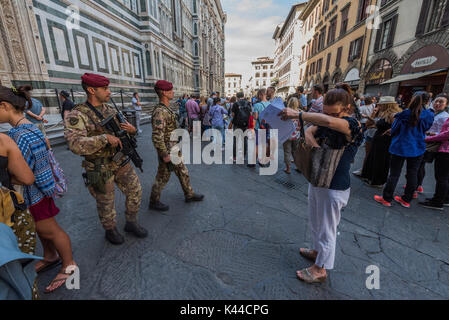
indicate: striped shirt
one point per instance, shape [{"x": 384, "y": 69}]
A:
[{"x": 31, "y": 143}]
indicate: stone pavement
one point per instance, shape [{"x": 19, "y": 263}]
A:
[{"x": 242, "y": 242}]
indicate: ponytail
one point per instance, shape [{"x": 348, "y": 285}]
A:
[
  {"x": 24, "y": 92},
  {"x": 19, "y": 98},
  {"x": 419, "y": 100}
]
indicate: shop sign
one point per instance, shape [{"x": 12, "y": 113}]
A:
[
  {"x": 428, "y": 58},
  {"x": 424, "y": 62}
]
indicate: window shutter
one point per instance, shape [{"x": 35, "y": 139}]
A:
[
  {"x": 351, "y": 47},
  {"x": 394, "y": 22},
  {"x": 423, "y": 17},
  {"x": 445, "y": 20},
  {"x": 337, "y": 62},
  {"x": 360, "y": 47},
  {"x": 359, "y": 12},
  {"x": 378, "y": 37},
  {"x": 328, "y": 63}
]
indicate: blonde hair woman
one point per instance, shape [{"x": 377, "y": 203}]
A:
[
  {"x": 377, "y": 164},
  {"x": 289, "y": 146}
]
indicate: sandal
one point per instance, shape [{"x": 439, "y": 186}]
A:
[
  {"x": 308, "y": 254},
  {"x": 306, "y": 276},
  {"x": 47, "y": 265},
  {"x": 61, "y": 278}
]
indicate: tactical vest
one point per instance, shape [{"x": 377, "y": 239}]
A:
[{"x": 107, "y": 152}]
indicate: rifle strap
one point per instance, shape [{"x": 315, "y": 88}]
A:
[{"x": 98, "y": 113}]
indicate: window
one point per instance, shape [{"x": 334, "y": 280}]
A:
[
  {"x": 385, "y": 34},
  {"x": 322, "y": 39},
  {"x": 434, "y": 15},
  {"x": 265, "y": 67},
  {"x": 325, "y": 6},
  {"x": 264, "y": 74},
  {"x": 355, "y": 49},
  {"x": 319, "y": 65},
  {"x": 271, "y": 74},
  {"x": 338, "y": 60},
  {"x": 328, "y": 62},
  {"x": 194, "y": 6},
  {"x": 332, "y": 31},
  {"x": 344, "y": 21},
  {"x": 257, "y": 83},
  {"x": 264, "y": 83},
  {"x": 257, "y": 75},
  {"x": 362, "y": 14},
  {"x": 148, "y": 61}
]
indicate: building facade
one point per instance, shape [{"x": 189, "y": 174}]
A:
[
  {"x": 410, "y": 49},
  {"x": 289, "y": 40},
  {"x": 50, "y": 44},
  {"x": 233, "y": 84},
  {"x": 262, "y": 73},
  {"x": 338, "y": 50}
]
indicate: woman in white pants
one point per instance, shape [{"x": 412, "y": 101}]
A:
[{"x": 340, "y": 130}]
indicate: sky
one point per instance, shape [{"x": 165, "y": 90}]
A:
[{"x": 249, "y": 31}]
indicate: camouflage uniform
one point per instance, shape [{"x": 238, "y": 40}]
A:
[
  {"x": 87, "y": 138},
  {"x": 164, "y": 122}
]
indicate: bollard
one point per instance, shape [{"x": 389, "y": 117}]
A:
[
  {"x": 73, "y": 97},
  {"x": 121, "y": 96}
]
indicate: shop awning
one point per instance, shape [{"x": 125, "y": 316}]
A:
[{"x": 412, "y": 76}]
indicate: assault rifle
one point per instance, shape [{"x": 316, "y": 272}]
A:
[{"x": 129, "y": 144}]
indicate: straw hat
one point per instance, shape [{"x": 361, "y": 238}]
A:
[{"x": 386, "y": 100}]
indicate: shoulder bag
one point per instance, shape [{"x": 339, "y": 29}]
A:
[{"x": 318, "y": 165}]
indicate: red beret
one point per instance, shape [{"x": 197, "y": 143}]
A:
[
  {"x": 95, "y": 80},
  {"x": 163, "y": 85}
]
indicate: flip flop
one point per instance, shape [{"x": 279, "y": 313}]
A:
[
  {"x": 307, "y": 253},
  {"x": 61, "y": 278},
  {"x": 309, "y": 278},
  {"x": 47, "y": 265}
]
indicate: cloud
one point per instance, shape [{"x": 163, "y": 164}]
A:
[{"x": 249, "y": 32}]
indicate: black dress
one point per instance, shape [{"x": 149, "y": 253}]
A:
[
  {"x": 4, "y": 175},
  {"x": 377, "y": 164}
]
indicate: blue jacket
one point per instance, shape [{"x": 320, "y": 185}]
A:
[
  {"x": 17, "y": 272},
  {"x": 408, "y": 141}
]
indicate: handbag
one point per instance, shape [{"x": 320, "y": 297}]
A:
[
  {"x": 58, "y": 173},
  {"x": 433, "y": 146},
  {"x": 318, "y": 165}
]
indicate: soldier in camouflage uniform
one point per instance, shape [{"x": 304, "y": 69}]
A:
[
  {"x": 102, "y": 162},
  {"x": 164, "y": 122}
]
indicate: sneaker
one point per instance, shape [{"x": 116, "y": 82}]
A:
[
  {"x": 402, "y": 202},
  {"x": 431, "y": 205},
  {"x": 415, "y": 195},
  {"x": 420, "y": 189},
  {"x": 382, "y": 201},
  {"x": 357, "y": 173}
]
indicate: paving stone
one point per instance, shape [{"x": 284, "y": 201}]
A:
[{"x": 243, "y": 240}]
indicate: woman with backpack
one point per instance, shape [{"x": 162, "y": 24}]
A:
[
  {"x": 408, "y": 134},
  {"x": 216, "y": 113},
  {"x": 38, "y": 196}
]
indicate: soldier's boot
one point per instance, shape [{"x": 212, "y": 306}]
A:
[
  {"x": 195, "y": 197},
  {"x": 135, "y": 229},
  {"x": 114, "y": 236},
  {"x": 158, "y": 206}
]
